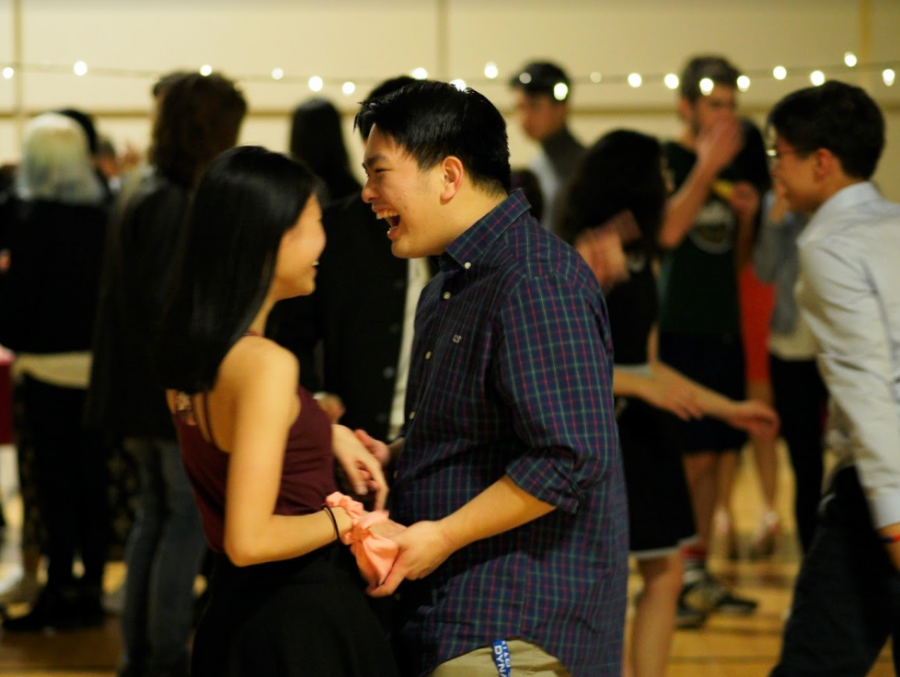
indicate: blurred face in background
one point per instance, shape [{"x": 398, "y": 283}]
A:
[{"x": 540, "y": 115}]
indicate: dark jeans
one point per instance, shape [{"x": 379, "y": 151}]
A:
[
  {"x": 163, "y": 558},
  {"x": 847, "y": 596},
  {"x": 800, "y": 400},
  {"x": 70, "y": 477}
]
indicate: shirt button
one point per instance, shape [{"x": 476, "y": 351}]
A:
[
  {"x": 467, "y": 265},
  {"x": 389, "y": 372},
  {"x": 412, "y": 415},
  {"x": 446, "y": 295},
  {"x": 428, "y": 355}
]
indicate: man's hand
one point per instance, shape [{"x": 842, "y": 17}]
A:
[
  {"x": 424, "y": 546},
  {"x": 718, "y": 146},
  {"x": 362, "y": 468},
  {"x": 377, "y": 448}
]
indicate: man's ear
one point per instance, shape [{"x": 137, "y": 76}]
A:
[
  {"x": 827, "y": 163},
  {"x": 452, "y": 174}
]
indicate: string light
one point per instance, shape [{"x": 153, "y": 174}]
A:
[
  {"x": 561, "y": 91},
  {"x": 459, "y": 84}
]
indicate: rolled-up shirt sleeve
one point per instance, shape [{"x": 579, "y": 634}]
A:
[
  {"x": 842, "y": 296},
  {"x": 554, "y": 370}
]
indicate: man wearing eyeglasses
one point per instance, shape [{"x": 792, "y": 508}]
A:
[{"x": 828, "y": 141}]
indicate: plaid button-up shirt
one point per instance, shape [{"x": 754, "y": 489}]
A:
[{"x": 512, "y": 375}]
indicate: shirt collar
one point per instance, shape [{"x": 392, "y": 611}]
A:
[
  {"x": 843, "y": 200},
  {"x": 477, "y": 240}
]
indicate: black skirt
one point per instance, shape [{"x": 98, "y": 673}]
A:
[
  {"x": 660, "y": 515},
  {"x": 304, "y": 617}
]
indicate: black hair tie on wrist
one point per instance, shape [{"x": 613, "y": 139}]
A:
[{"x": 337, "y": 532}]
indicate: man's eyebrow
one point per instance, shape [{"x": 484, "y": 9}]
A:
[{"x": 369, "y": 161}]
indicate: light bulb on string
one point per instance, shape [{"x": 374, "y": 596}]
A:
[
  {"x": 817, "y": 78},
  {"x": 348, "y": 88},
  {"x": 850, "y": 59},
  {"x": 459, "y": 84},
  {"x": 635, "y": 80},
  {"x": 8, "y": 72},
  {"x": 420, "y": 74},
  {"x": 671, "y": 81},
  {"x": 277, "y": 73},
  {"x": 560, "y": 91},
  {"x": 743, "y": 83},
  {"x": 316, "y": 83},
  {"x": 80, "y": 68},
  {"x": 888, "y": 75},
  {"x": 206, "y": 70},
  {"x": 490, "y": 70},
  {"x": 706, "y": 86},
  {"x": 779, "y": 72},
  {"x": 596, "y": 77}
]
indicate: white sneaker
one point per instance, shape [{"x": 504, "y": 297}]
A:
[{"x": 23, "y": 590}]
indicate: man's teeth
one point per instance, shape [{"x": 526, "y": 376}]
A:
[{"x": 386, "y": 214}]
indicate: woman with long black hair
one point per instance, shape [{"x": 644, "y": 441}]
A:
[{"x": 284, "y": 598}]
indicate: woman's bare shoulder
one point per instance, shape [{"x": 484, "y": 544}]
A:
[{"x": 255, "y": 361}]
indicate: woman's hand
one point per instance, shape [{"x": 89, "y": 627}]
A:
[
  {"x": 756, "y": 417},
  {"x": 673, "y": 395},
  {"x": 362, "y": 467},
  {"x": 377, "y": 448}
]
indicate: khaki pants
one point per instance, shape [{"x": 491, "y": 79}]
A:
[{"x": 526, "y": 660}]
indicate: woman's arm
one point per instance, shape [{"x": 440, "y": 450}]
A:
[{"x": 261, "y": 381}]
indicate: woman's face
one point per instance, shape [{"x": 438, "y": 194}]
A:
[{"x": 298, "y": 253}]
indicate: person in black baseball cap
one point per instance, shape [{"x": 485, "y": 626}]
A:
[{"x": 542, "y": 90}]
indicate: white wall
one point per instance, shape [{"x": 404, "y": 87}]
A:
[{"x": 368, "y": 40}]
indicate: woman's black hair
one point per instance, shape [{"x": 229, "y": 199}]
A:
[
  {"x": 245, "y": 202},
  {"x": 318, "y": 140},
  {"x": 622, "y": 170}
]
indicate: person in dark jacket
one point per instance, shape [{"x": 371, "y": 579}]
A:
[
  {"x": 56, "y": 231},
  {"x": 198, "y": 118}
]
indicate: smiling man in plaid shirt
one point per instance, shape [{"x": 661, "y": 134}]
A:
[{"x": 509, "y": 471}]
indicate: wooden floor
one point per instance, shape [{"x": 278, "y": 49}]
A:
[{"x": 724, "y": 647}]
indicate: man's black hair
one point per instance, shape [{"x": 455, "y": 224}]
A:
[
  {"x": 434, "y": 120},
  {"x": 541, "y": 78},
  {"x": 836, "y": 116},
  {"x": 716, "y": 68}
]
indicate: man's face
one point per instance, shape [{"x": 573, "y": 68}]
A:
[
  {"x": 406, "y": 197},
  {"x": 720, "y": 105},
  {"x": 540, "y": 116},
  {"x": 796, "y": 175}
]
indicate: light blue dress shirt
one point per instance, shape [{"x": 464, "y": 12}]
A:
[{"x": 849, "y": 294}]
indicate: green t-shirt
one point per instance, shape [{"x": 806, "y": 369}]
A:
[{"x": 698, "y": 283}]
